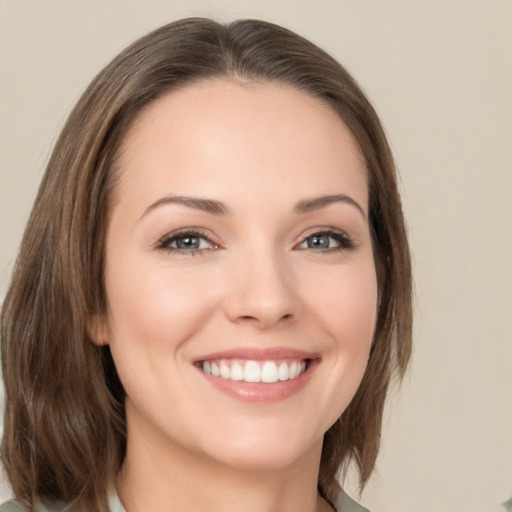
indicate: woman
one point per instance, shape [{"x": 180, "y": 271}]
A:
[{"x": 214, "y": 287}]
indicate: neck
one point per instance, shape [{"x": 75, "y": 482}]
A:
[{"x": 175, "y": 479}]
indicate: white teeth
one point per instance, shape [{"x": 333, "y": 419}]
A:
[
  {"x": 282, "y": 373},
  {"x": 269, "y": 372},
  {"x": 252, "y": 372},
  {"x": 237, "y": 372},
  {"x": 224, "y": 371},
  {"x": 255, "y": 371}
]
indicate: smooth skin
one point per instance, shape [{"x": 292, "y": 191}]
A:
[{"x": 259, "y": 261}]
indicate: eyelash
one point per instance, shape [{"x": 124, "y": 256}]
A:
[
  {"x": 166, "y": 241},
  {"x": 340, "y": 237},
  {"x": 343, "y": 241}
]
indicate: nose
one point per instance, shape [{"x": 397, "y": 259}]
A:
[{"x": 263, "y": 291}]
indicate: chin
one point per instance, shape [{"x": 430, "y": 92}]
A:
[{"x": 266, "y": 450}]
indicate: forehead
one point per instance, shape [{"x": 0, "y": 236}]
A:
[{"x": 217, "y": 135}]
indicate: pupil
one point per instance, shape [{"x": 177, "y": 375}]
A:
[
  {"x": 188, "y": 242},
  {"x": 318, "y": 242}
]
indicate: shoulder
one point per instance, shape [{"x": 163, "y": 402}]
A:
[
  {"x": 13, "y": 506},
  {"x": 19, "y": 506},
  {"x": 345, "y": 503}
]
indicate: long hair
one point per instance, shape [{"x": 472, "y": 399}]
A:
[{"x": 64, "y": 428}]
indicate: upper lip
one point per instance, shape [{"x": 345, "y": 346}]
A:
[{"x": 258, "y": 354}]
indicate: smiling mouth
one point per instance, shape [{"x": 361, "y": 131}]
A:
[{"x": 253, "y": 371}]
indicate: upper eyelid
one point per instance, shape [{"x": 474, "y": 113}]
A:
[
  {"x": 193, "y": 230},
  {"x": 324, "y": 230}
]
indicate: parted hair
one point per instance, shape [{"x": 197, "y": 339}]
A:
[{"x": 64, "y": 426}]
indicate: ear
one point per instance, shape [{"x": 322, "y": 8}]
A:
[{"x": 98, "y": 330}]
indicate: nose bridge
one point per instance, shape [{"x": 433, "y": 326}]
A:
[{"x": 263, "y": 288}]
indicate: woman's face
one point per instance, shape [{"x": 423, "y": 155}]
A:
[{"x": 240, "y": 278}]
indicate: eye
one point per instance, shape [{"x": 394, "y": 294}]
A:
[
  {"x": 186, "y": 242},
  {"x": 326, "y": 240}
]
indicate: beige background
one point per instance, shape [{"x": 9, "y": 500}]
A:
[{"x": 440, "y": 74}]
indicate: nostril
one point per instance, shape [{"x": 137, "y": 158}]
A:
[{"x": 265, "y": 318}]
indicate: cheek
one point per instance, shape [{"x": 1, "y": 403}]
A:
[
  {"x": 346, "y": 301},
  {"x": 345, "y": 306},
  {"x": 153, "y": 306}
]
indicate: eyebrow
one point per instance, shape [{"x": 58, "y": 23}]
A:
[
  {"x": 205, "y": 205},
  {"x": 219, "y": 208},
  {"x": 318, "y": 203}
]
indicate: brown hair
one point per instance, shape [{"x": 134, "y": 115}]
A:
[{"x": 65, "y": 433}]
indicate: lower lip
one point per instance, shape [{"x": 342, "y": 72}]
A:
[{"x": 261, "y": 391}]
